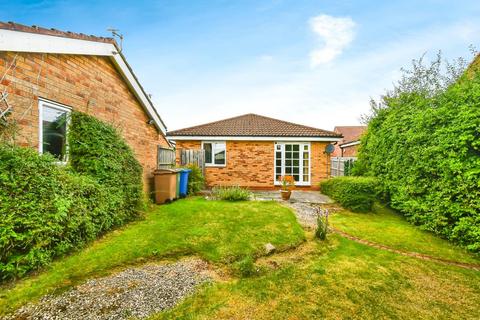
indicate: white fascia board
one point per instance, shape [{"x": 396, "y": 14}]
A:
[
  {"x": 19, "y": 41},
  {"x": 349, "y": 144},
  {"x": 252, "y": 138}
]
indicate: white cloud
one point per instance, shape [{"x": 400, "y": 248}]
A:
[
  {"x": 335, "y": 33},
  {"x": 337, "y": 95},
  {"x": 266, "y": 58}
]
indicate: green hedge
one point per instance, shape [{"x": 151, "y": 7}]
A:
[
  {"x": 47, "y": 209},
  {"x": 97, "y": 150},
  {"x": 425, "y": 149},
  {"x": 354, "y": 193}
]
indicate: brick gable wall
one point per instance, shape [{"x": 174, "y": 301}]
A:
[
  {"x": 89, "y": 84},
  {"x": 251, "y": 164}
]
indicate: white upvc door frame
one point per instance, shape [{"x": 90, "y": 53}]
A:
[{"x": 300, "y": 168}]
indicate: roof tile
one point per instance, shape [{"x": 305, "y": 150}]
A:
[{"x": 253, "y": 125}]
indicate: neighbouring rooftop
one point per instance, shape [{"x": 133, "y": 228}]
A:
[{"x": 253, "y": 125}]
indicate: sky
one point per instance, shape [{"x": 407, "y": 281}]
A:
[{"x": 316, "y": 63}]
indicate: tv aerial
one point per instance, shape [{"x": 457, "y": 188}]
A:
[{"x": 117, "y": 35}]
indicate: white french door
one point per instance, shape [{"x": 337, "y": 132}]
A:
[{"x": 293, "y": 159}]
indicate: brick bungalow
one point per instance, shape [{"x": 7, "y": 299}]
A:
[
  {"x": 254, "y": 151},
  {"x": 348, "y": 146},
  {"x": 45, "y": 73}
]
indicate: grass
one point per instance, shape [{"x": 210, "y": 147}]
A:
[
  {"x": 386, "y": 227},
  {"x": 339, "y": 279},
  {"x": 334, "y": 279},
  {"x": 220, "y": 232}
]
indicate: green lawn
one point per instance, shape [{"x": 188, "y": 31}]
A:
[
  {"x": 333, "y": 279},
  {"x": 217, "y": 231},
  {"x": 386, "y": 227},
  {"x": 340, "y": 279}
]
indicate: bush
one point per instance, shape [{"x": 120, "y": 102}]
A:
[
  {"x": 47, "y": 210},
  {"x": 322, "y": 224},
  {"x": 245, "y": 268},
  {"x": 354, "y": 193},
  {"x": 231, "y": 193},
  {"x": 97, "y": 150},
  {"x": 423, "y": 143},
  {"x": 196, "y": 181}
]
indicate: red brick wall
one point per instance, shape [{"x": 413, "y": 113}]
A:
[
  {"x": 88, "y": 84},
  {"x": 350, "y": 151},
  {"x": 250, "y": 164}
]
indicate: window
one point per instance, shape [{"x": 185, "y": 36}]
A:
[
  {"x": 293, "y": 159},
  {"x": 53, "y": 129},
  {"x": 215, "y": 153}
]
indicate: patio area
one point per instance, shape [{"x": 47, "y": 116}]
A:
[
  {"x": 303, "y": 203},
  {"x": 311, "y": 197}
]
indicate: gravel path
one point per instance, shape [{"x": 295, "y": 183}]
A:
[{"x": 136, "y": 292}]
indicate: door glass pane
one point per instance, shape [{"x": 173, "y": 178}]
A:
[
  {"x": 208, "y": 152},
  {"x": 305, "y": 178},
  {"x": 296, "y": 177},
  {"x": 288, "y": 147},
  {"x": 54, "y": 130},
  {"x": 296, "y": 147}
]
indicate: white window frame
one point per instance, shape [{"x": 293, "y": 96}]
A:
[
  {"x": 213, "y": 164},
  {"x": 301, "y": 143},
  {"x": 42, "y": 103}
]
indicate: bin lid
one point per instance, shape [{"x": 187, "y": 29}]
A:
[
  {"x": 186, "y": 170},
  {"x": 164, "y": 171}
]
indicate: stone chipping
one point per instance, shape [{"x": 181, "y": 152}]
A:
[{"x": 132, "y": 293}]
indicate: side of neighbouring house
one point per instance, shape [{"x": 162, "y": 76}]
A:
[
  {"x": 45, "y": 74},
  {"x": 255, "y": 151},
  {"x": 348, "y": 145}
]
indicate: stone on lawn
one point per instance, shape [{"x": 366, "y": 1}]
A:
[{"x": 269, "y": 248}]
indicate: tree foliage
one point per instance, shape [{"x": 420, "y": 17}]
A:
[{"x": 423, "y": 143}]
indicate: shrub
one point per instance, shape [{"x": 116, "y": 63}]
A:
[
  {"x": 196, "y": 181},
  {"x": 47, "y": 210},
  {"x": 245, "y": 267},
  {"x": 354, "y": 193},
  {"x": 98, "y": 150},
  {"x": 231, "y": 193},
  {"x": 423, "y": 144},
  {"x": 322, "y": 224}
]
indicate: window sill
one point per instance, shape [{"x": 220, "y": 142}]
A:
[
  {"x": 301, "y": 184},
  {"x": 215, "y": 165}
]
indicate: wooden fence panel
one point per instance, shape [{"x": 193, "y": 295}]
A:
[
  {"x": 340, "y": 165},
  {"x": 165, "y": 158},
  {"x": 191, "y": 156}
]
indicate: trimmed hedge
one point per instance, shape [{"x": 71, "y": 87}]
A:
[
  {"x": 47, "y": 210},
  {"x": 425, "y": 150},
  {"x": 354, "y": 193},
  {"x": 96, "y": 149}
]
